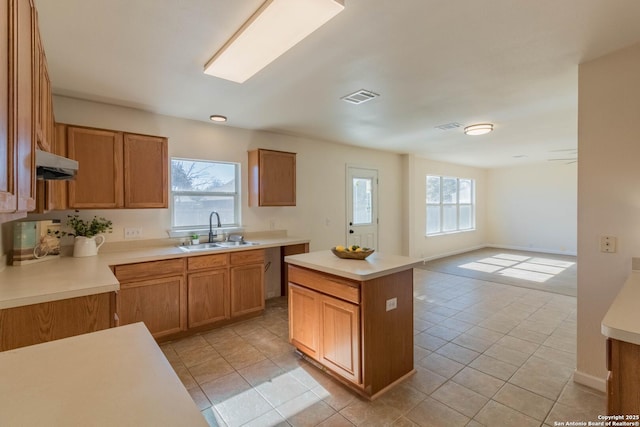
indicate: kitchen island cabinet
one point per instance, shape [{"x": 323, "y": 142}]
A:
[
  {"x": 354, "y": 317},
  {"x": 621, "y": 326}
]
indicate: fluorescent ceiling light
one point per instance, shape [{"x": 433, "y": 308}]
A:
[
  {"x": 479, "y": 129},
  {"x": 276, "y": 27}
]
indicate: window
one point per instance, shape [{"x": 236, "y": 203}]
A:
[
  {"x": 199, "y": 187},
  {"x": 450, "y": 204}
]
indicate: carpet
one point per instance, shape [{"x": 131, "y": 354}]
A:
[{"x": 533, "y": 270}]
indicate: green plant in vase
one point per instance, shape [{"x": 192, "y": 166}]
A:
[{"x": 88, "y": 234}]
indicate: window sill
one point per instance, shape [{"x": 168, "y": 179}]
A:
[{"x": 446, "y": 233}]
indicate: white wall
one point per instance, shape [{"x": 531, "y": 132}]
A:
[
  {"x": 320, "y": 174},
  {"x": 421, "y": 246},
  {"x": 608, "y": 195},
  {"x": 533, "y": 207}
]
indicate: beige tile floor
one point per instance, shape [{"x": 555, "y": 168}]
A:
[{"x": 485, "y": 354}]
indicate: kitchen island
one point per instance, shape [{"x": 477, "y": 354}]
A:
[
  {"x": 114, "y": 377},
  {"x": 354, "y": 317}
]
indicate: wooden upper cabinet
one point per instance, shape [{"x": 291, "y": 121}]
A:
[
  {"x": 145, "y": 171},
  {"x": 98, "y": 183},
  {"x": 117, "y": 169},
  {"x": 7, "y": 187},
  {"x": 272, "y": 178}
]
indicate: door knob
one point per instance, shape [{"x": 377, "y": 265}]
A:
[{"x": 351, "y": 231}]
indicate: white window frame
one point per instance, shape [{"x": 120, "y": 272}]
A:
[
  {"x": 237, "y": 197},
  {"x": 457, "y": 204}
]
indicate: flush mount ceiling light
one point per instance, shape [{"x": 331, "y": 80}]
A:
[
  {"x": 217, "y": 118},
  {"x": 272, "y": 30},
  {"x": 479, "y": 129}
]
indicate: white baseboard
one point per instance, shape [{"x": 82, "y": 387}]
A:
[
  {"x": 596, "y": 383},
  {"x": 528, "y": 249}
]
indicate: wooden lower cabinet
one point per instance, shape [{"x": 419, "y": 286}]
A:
[
  {"x": 207, "y": 297},
  {"x": 247, "y": 282},
  {"x": 304, "y": 320},
  {"x": 344, "y": 325},
  {"x": 47, "y": 321},
  {"x": 159, "y": 303},
  {"x": 340, "y": 337},
  {"x": 247, "y": 289},
  {"x": 623, "y": 381}
]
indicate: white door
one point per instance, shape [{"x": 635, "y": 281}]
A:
[{"x": 362, "y": 207}]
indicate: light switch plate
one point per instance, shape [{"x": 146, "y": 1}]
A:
[
  {"x": 132, "y": 233},
  {"x": 608, "y": 244}
]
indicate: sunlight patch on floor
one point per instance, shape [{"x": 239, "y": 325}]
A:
[{"x": 534, "y": 269}]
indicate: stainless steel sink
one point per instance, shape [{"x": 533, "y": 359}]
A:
[
  {"x": 214, "y": 246},
  {"x": 235, "y": 244}
]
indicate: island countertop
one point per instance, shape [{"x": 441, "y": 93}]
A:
[
  {"x": 622, "y": 321},
  {"x": 114, "y": 377},
  {"x": 375, "y": 265}
]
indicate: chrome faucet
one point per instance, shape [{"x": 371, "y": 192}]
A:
[{"x": 211, "y": 235}]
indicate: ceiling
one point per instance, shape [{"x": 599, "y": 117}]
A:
[{"x": 513, "y": 63}]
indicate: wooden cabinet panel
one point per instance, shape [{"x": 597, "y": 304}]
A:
[
  {"x": 247, "y": 257},
  {"x": 207, "y": 261},
  {"x": 159, "y": 303},
  {"x": 247, "y": 289},
  {"x": 301, "y": 248},
  {"x": 623, "y": 382},
  {"x": 325, "y": 283},
  {"x": 145, "y": 171},
  {"x": 117, "y": 169},
  {"x": 23, "y": 99},
  {"x": 7, "y": 187},
  {"x": 304, "y": 320},
  {"x": 208, "y": 297},
  {"x": 272, "y": 178},
  {"x": 37, "y": 323},
  {"x": 98, "y": 183},
  {"x": 340, "y": 337},
  {"x": 144, "y": 270}
]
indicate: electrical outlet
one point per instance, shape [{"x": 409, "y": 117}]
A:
[
  {"x": 608, "y": 244},
  {"x": 392, "y": 304},
  {"x": 132, "y": 233}
]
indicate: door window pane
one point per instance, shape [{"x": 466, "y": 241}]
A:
[{"x": 362, "y": 211}]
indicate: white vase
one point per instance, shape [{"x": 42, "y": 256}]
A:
[{"x": 87, "y": 246}]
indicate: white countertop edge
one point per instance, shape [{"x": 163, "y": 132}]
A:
[
  {"x": 622, "y": 321},
  {"x": 344, "y": 272},
  {"x": 56, "y": 296}
]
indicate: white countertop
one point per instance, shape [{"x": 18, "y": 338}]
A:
[
  {"x": 622, "y": 321},
  {"x": 69, "y": 277},
  {"x": 377, "y": 264},
  {"x": 114, "y": 377}
]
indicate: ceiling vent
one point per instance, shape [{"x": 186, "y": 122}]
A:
[
  {"x": 449, "y": 126},
  {"x": 360, "y": 96}
]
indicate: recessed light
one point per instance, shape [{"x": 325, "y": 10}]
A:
[
  {"x": 217, "y": 118},
  {"x": 479, "y": 129}
]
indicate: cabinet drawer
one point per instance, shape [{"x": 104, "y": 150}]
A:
[
  {"x": 330, "y": 285},
  {"x": 144, "y": 270},
  {"x": 207, "y": 261},
  {"x": 247, "y": 257}
]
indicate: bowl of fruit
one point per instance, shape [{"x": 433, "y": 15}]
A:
[{"x": 351, "y": 252}]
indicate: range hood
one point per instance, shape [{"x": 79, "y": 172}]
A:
[{"x": 52, "y": 167}]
